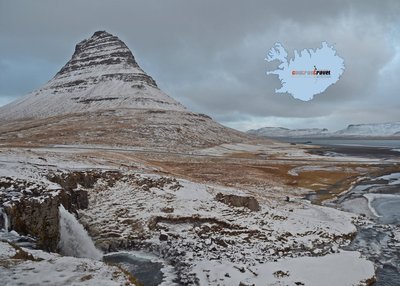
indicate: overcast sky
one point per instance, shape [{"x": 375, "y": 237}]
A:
[{"x": 209, "y": 55}]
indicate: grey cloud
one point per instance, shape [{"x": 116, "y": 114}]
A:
[{"x": 209, "y": 54}]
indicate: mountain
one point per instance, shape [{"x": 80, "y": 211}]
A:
[
  {"x": 102, "y": 74},
  {"x": 352, "y": 131},
  {"x": 102, "y": 96},
  {"x": 373, "y": 129},
  {"x": 285, "y": 132}
]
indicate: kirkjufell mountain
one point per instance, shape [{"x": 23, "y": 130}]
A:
[
  {"x": 102, "y": 96},
  {"x": 102, "y": 74}
]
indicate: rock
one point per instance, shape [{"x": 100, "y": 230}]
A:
[
  {"x": 104, "y": 244},
  {"x": 281, "y": 274},
  {"x": 220, "y": 242},
  {"x": 70, "y": 181},
  {"x": 241, "y": 269},
  {"x": 167, "y": 210},
  {"x": 239, "y": 201},
  {"x": 39, "y": 218},
  {"x": 245, "y": 284},
  {"x": 163, "y": 237},
  {"x": 80, "y": 199},
  {"x": 32, "y": 209}
]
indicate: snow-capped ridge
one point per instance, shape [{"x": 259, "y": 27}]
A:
[
  {"x": 286, "y": 132},
  {"x": 371, "y": 129},
  {"x": 391, "y": 129}
]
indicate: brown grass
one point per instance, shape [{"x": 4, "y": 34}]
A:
[{"x": 234, "y": 171}]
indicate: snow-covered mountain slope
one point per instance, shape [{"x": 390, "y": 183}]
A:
[
  {"x": 102, "y": 74},
  {"x": 285, "y": 132},
  {"x": 102, "y": 97},
  {"x": 373, "y": 129}
]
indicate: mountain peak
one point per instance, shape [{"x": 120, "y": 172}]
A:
[
  {"x": 105, "y": 51},
  {"x": 98, "y": 33},
  {"x": 102, "y": 74}
]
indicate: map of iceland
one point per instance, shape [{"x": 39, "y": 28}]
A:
[{"x": 308, "y": 73}]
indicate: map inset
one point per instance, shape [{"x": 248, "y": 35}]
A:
[{"x": 310, "y": 72}]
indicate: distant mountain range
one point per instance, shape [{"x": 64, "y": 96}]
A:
[{"x": 354, "y": 130}]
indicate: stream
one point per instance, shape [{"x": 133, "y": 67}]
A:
[
  {"x": 75, "y": 241},
  {"x": 148, "y": 271},
  {"x": 378, "y": 199},
  {"x": 147, "y": 268}
]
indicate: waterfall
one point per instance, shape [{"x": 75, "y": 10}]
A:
[
  {"x": 74, "y": 240},
  {"x": 5, "y": 220}
]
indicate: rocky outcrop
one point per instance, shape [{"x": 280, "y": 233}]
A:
[
  {"x": 238, "y": 201},
  {"x": 71, "y": 182},
  {"x": 32, "y": 208},
  {"x": 39, "y": 218}
]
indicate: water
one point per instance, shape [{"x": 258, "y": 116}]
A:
[
  {"x": 5, "y": 220},
  {"x": 146, "y": 271},
  {"x": 74, "y": 239},
  {"x": 17, "y": 239},
  {"x": 377, "y": 244},
  {"x": 12, "y": 236},
  {"x": 383, "y": 143},
  {"x": 387, "y": 209},
  {"x": 378, "y": 198}
]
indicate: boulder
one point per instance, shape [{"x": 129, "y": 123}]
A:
[{"x": 239, "y": 201}]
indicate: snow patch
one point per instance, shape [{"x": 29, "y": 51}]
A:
[{"x": 344, "y": 268}]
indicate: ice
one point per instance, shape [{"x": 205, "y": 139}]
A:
[{"x": 372, "y": 197}]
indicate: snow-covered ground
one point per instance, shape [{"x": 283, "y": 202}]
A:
[
  {"x": 183, "y": 222},
  {"x": 343, "y": 268},
  {"x": 36, "y": 267},
  {"x": 183, "y": 219}
]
